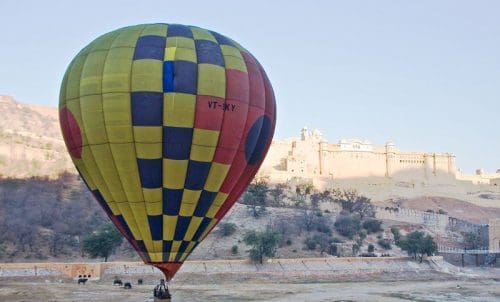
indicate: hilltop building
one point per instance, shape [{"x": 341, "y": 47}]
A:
[{"x": 311, "y": 157}]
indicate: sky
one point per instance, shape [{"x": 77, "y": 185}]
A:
[{"x": 422, "y": 74}]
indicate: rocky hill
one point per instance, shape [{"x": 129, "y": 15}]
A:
[{"x": 31, "y": 143}]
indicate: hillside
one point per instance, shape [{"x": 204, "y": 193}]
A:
[
  {"x": 46, "y": 219},
  {"x": 45, "y": 208},
  {"x": 30, "y": 141}
]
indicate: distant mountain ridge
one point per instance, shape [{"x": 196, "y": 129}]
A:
[{"x": 31, "y": 142}]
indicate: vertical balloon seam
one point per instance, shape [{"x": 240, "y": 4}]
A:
[
  {"x": 120, "y": 204},
  {"x": 240, "y": 180},
  {"x": 140, "y": 249},
  {"x": 241, "y": 144},
  {"x": 170, "y": 251},
  {"x": 82, "y": 129},
  {"x": 88, "y": 145},
  {"x": 178, "y": 253},
  {"x": 146, "y": 250},
  {"x": 70, "y": 70},
  {"x": 240, "y": 148},
  {"x": 162, "y": 144},
  {"x": 216, "y": 146},
  {"x": 113, "y": 160},
  {"x": 239, "y": 186},
  {"x": 167, "y": 254},
  {"x": 63, "y": 96},
  {"x": 140, "y": 189},
  {"x": 132, "y": 126},
  {"x": 103, "y": 182}
]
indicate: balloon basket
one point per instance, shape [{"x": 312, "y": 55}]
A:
[{"x": 161, "y": 293}]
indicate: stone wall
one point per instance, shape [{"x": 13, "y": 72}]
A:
[
  {"x": 300, "y": 266},
  {"x": 494, "y": 234},
  {"x": 489, "y": 234},
  {"x": 437, "y": 222}
]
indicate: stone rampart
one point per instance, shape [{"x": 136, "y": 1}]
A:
[{"x": 438, "y": 222}]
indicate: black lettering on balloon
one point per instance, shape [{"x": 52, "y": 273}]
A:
[{"x": 223, "y": 106}]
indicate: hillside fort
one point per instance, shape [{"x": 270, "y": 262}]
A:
[{"x": 310, "y": 157}]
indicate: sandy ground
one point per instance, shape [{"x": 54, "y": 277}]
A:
[{"x": 212, "y": 288}]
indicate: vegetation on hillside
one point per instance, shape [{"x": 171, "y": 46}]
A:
[{"x": 42, "y": 218}]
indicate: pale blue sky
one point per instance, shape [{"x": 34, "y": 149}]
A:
[{"x": 424, "y": 74}]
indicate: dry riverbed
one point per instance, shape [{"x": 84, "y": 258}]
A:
[{"x": 483, "y": 285}]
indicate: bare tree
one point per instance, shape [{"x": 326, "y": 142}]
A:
[{"x": 277, "y": 193}]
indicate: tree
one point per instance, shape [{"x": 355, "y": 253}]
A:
[
  {"x": 384, "y": 243},
  {"x": 345, "y": 197},
  {"x": 363, "y": 207},
  {"x": 318, "y": 198},
  {"x": 348, "y": 225},
  {"x": 263, "y": 244},
  {"x": 371, "y": 248},
  {"x": 255, "y": 197},
  {"x": 417, "y": 244},
  {"x": 278, "y": 192},
  {"x": 472, "y": 241},
  {"x": 227, "y": 228},
  {"x": 309, "y": 219},
  {"x": 324, "y": 242},
  {"x": 397, "y": 234},
  {"x": 352, "y": 202},
  {"x": 310, "y": 243},
  {"x": 372, "y": 225},
  {"x": 302, "y": 190},
  {"x": 285, "y": 226},
  {"x": 234, "y": 250},
  {"x": 102, "y": 242}
]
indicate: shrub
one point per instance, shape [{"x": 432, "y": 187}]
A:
[
  {"x": 385, "y": 244},
  {"x": 371, "y": 248},
  {"x": 323, "y": 228},
  {"x": 3, "y": 249},
  {"x": 348, "y": 225},
  {"x": 472, "y": 241},
  {"x": 372, "y": 226},
  {"x": 227, "y": 229},
  {"x": 368, "y": 255},
  {"x": 263, "y": 244},
  {"x": 234, "y": 249},
  {"x": 288, "y": 241},
  {"x": 310, "y": 243},
  {"x": 337, "y": 240},
  {"x": 397, "y": 235}
]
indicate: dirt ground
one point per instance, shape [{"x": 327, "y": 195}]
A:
[{"x": 211, "y": 288}]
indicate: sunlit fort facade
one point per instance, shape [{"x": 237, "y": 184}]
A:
[{"x": 310, "y": 156}]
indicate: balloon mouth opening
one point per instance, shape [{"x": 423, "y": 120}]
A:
[{"x": 168, "y": 269}]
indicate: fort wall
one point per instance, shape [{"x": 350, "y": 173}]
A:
[
  {"x": 311, "y": 157},
  {"x": 494, "y": 234}
]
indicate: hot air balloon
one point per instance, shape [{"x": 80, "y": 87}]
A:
[{"x": 167, "y": 124}]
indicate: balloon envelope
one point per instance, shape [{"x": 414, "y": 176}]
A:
[{"x": 167, "y": 124}]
